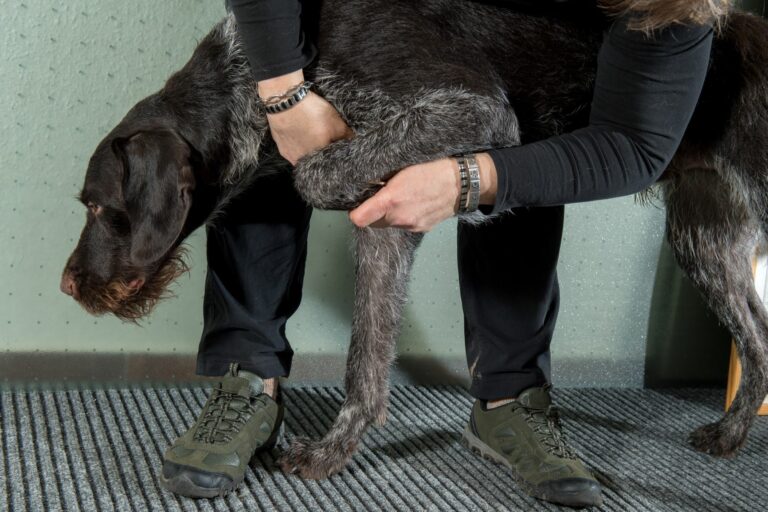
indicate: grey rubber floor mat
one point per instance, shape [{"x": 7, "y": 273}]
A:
[{"x": 89, "y": 449}]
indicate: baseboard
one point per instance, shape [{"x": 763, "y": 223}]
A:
[{"x": 71, "y": 368}]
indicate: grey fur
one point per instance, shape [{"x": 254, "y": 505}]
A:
[
  {"x": 713, "y": 234},
  {"x": 248, "y": 126}
]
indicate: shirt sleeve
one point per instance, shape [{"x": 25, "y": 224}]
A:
[
  {"x": 272, "y": 36},
  {"x": 646, "y": 90}
]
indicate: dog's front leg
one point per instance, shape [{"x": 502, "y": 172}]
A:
[
  {"x": 436, "y": 124},
  {"x": 383, "y": 263}
]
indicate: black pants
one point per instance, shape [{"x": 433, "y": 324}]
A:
[{"x": 256, "y": 256}]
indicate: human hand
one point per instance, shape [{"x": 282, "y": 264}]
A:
[
  {"x": 311, "y": 124},
  {"x": 421, "y": 196}
]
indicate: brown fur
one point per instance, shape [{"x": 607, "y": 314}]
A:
[
  {"x": 650, "y": 15},
  {"x": 132, "y": 304}
]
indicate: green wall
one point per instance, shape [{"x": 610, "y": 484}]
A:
[{"x": 68, "y": 73}]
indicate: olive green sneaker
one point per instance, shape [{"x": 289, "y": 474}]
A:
[
  {"x": 525, "y": 435},
  {"x": 237, "y": 421}
]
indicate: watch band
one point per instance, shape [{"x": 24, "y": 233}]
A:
[
  {"x": 469, "y": 173},
  {"x": 281, "y": 103}
]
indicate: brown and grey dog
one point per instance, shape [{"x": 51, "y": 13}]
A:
[{"x": 181, "y": 154}]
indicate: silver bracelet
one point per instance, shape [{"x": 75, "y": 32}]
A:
[
  {"x": 282, "y": 102},
  {"x": 469, "y": 173}
]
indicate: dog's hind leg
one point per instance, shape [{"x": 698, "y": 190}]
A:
[
  {"x": 383, "y": 263},
  {"x": 432, "y": 125},
  {"x": 713, "y": 234}
]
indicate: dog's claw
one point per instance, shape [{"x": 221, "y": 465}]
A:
[
  {"x": 313, "y": 459},
  {"x": 714, "y": 439}
]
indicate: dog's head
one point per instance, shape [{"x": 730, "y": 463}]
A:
[{"x": 137, "y": 194}]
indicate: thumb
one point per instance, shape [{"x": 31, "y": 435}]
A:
[{"x": 370, "y": 211}]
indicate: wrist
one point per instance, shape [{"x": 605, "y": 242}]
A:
[
  {"x": 279, "y": 84},
  {"x": 286, "y": 100},
  {"x": 488, "y": 178},
  {"x": 456, "y": 183}
]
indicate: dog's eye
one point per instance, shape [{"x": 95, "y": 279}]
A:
[{"x": 95, "y": 208}]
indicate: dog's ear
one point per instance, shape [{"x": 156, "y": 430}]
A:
[{"x": 157, "y": 188}]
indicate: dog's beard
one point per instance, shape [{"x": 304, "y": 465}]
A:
[{"x": 131, "y": 304}]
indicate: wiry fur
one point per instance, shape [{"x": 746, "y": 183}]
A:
[
  {"x": 247, "y": 128},
  {"x": 131, "y": 304},
  {"x": 410, "y": 107},
  {"x": 650, "y": 15}
]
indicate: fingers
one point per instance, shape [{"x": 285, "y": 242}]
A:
[
  {"x": 372, "y": 212},
  {"x": 380, "y": 211},
  {"x": 416, "y": 199}
]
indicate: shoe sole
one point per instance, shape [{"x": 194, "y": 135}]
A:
[
  {"x": 574, "y": 499},
  {"x": 183, "y": 485}
]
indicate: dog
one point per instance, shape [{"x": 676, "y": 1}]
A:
[{"x": 179, "y": 155}]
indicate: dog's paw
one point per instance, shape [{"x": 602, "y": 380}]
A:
[
  {"x": 308, "y": 180},
  {"x": 717, "y": 439},
  {"x": 325, "y": 196},
  {"x": 324, "y": 180},
  {"x": 314, "y": 459},
  {"x": 381, "y": 417}
]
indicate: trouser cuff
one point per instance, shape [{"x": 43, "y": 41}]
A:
[
  {"x": 264, "y": 367},
  {"x": 496, "y": 387}
]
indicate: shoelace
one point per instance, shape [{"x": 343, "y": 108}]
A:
[
  {"x": 546, "y": 424},
  {"x": 224, "y": 416}
]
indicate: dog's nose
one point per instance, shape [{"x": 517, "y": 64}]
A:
[{"x": 68, "y": 285}]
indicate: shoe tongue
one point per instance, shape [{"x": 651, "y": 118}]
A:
[
  {"x": 535, "y": 398},
  {"x": 242, "y": 382},
  {"x": 255, "y": 382},
  {"x": 236, "y": 385}
]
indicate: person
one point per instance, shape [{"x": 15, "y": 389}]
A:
[{"x": 651, "y": 69}]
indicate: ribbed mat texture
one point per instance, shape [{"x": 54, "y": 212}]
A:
[{"x": 94, "y": 450}]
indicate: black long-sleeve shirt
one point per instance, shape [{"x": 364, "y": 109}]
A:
[
  {"x": 272, "y": 35},
  {"x": 645, "y": 94}
]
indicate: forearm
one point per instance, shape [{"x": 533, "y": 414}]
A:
[
  {"x": 272, "y": 37},
  {"x": 646, "y": 92},
  {"x": 280, "y": 84},
  {"x": 585, "y": 165}
]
